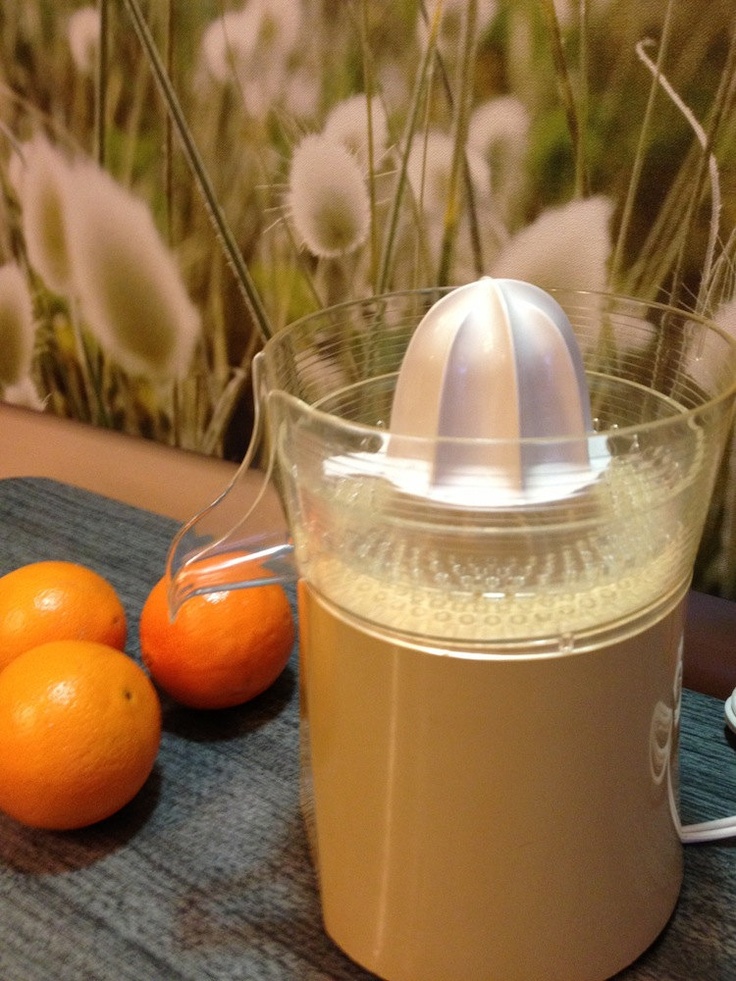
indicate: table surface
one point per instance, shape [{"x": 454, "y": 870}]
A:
[{"x": 206, "y": 874}]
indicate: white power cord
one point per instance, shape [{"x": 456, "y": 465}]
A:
[
  {"x": 693, "y": 834},
  {"x": 729, "y": 711},
  {"x": 717, "y": 830}
]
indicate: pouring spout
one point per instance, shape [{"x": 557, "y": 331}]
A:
[
  {"x": 261, "y": 560},
  {"x": 239, "y": 540}
]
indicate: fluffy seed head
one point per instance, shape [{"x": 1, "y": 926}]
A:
[
  {"x": 226, "y": 41},
  {"x": 347, "y": 123},
  {"x": 500, "y": 126},
  {"x": 429, "y": 166},
  {"x": 83, "y": 32},
  {"x": 327, "y": 198},
  {"x": 24, "y": 394},
  {"x": 41, "y": 182},
  {"x": 250, "y": 47},
  {"x": 566, "y": 247},
  {"x": 130, "y": 291}
]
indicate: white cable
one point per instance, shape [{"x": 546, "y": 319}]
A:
[{"x": 693, "y": 834}]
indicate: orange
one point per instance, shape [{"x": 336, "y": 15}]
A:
[
  {"x": 222, "y": 649},
  {"x": 80, "y": 726},
  {"x": 46, "y": 601}
]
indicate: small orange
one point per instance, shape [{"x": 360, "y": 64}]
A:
[
  {"x": 80, "y": 726},
  {"x": 45, "y": 601},
  {"x": 223, "y": 648}
]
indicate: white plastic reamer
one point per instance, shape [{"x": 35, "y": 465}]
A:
[{"x": 491, "y": 405}]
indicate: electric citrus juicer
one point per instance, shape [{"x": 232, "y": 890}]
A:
[{"x": 495, "y": 495}]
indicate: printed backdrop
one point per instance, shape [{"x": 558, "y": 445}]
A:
[{"x": 180, "y": 180}]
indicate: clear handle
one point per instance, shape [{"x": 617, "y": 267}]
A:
[{"x": 228, "y": 544}]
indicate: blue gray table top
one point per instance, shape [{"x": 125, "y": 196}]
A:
[{"x": 206, "y": 873}]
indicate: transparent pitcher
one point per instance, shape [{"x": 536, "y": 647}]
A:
[{"x": 490, "y": 685}]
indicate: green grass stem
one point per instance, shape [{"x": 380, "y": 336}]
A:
[{"x": 199, "y": 172}]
